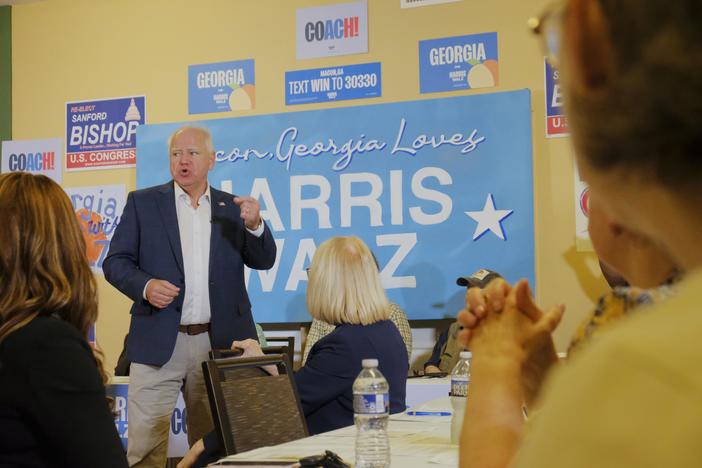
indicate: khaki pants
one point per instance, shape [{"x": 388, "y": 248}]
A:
[{"x": 153, "y": 392}]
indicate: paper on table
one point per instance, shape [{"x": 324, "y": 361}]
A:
[
  {"x": 426, "y": 419},
  {"x": 271, "y": 453},
  {"x": 437, "y": 452},
  {"x": 344, "y": 447},
  {"x": 439, "y": 404},
  {"x": 446, "y": 458},
  {"x": 419, "y": 438},
  {"x": 261, "y": 464}
]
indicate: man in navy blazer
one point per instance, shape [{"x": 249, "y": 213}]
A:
[{"x": 179, "y": 253}]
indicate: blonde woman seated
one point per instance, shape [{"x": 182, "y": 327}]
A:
[
  {"x": 320, "y": 328},
  {"x": 344, "y": 289}
]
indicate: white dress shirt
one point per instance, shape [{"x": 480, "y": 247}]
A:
[{"x": 195, "y": 229}]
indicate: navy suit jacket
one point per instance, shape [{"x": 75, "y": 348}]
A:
[
  {"x": 146, "y": 245},
  {"x": 325, "y": 382}
]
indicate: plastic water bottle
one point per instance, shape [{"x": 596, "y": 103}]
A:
[
  {"x": 460, "y": 379},
  {"x": 371, "y": 408}
]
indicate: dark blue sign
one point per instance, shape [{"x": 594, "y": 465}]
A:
[
  {"x": 119, "y": 393},
  {"x": 91, "y": 335},
  {"x": 332, "y": 84},
  {"x": 556, "y": 120},
  {"x": 221, "y": 87},
  {"x": 118, "y": 390},
  {"x": 454, "y": 63},
  {"x": 102, "y": 134}
]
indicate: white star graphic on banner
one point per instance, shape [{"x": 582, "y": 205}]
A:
[{"x": 489, "y": 219}]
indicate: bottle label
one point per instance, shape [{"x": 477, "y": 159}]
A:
[
  {"x": 371, "y": 403},
  {"x": 459, "y": 387}
]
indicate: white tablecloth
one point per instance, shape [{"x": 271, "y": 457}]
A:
[
  {"x": 420, "y": 390},
  {"x": 415, "y": 441}
]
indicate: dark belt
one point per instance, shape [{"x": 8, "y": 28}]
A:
[{"x": 195, "y": 329}]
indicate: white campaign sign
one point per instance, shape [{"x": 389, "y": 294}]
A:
[{"x": 328, "y": 31}]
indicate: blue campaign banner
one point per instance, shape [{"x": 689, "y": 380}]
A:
[
  {"x": 332, "y": 84},
  {"x": 118, "y": 390},
  {"x": 101, "y": 134},
  {"x": 461, "y": 62},
  {"x": 98, "y": 210},
  {"x": 221, "y": 87},
  {"x": 556, "y": 120},
  {"x": 436, "y": 188},
  {"x": 91, "y": 335}
]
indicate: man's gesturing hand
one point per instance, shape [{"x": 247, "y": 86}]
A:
[
  {"x": 160, "y": 293},
  {"x": 250, "y": 211}
]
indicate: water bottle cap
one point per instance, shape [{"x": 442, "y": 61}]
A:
[
  {"x": 466, "y": 355},
  {"x": 369, "y": 363}
]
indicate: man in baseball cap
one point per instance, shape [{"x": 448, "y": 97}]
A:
[
  {"x": 447, "y": 348},
  {"x": 479, "y": 279}
]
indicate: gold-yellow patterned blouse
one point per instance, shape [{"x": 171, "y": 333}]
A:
[{"x": 614, "y": 305}]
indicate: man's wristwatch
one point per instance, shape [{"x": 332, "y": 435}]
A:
[{"x": 260, "y": 223}]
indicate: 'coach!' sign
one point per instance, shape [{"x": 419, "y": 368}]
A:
[
  {"x": 102, "y": 134},
  {"x": 35, "y": 156},
  {"x": 340, "y": 29}
]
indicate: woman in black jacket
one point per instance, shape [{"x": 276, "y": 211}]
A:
[{"x": 53, "y": 409}]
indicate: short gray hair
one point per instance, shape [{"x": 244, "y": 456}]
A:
[{"x": 205, "y": 133}]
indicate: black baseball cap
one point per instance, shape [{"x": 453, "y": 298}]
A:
[{"x": 479, "y": 279}]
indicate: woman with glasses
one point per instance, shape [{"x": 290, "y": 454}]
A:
[{"x": 632, "y": 77}]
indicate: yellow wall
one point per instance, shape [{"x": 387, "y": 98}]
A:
[{"x": 67, "y": 50}]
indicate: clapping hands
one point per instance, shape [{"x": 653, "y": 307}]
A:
[{"x": 502, "y": 322}]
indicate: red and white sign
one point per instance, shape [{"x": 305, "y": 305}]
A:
[
  {"x": 556, "y": 120},
  {"x": 582, "y": 211}
]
